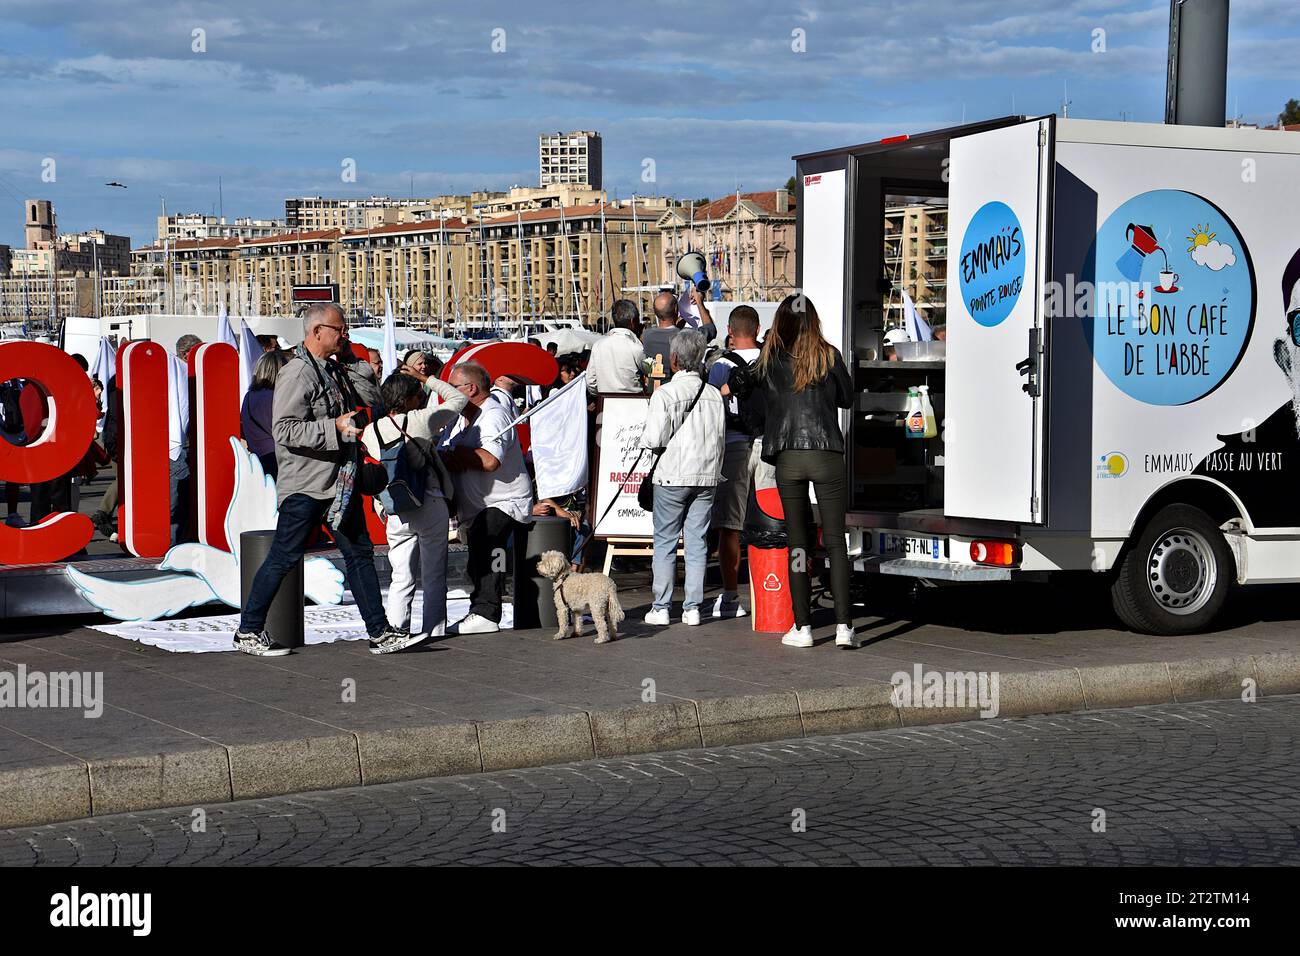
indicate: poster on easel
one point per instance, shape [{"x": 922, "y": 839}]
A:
[{"x": 617, "y": 475}]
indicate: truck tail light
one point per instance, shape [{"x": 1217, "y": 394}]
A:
[{"x": 1000, "y": 554}]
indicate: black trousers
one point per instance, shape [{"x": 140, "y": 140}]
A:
[
  {"x": 51, "y": 496},
  {"x": 489, "y": 533},
  {"x": 825, "y": 469}
]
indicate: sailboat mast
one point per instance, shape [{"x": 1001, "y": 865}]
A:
[{"x": 636, "y": 256}]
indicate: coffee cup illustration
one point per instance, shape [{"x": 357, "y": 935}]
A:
[{"x": 1168, "y": 282}]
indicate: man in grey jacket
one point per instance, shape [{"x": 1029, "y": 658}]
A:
[{"x": 317, "y": 455}]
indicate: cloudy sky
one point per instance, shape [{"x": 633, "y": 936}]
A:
[{"x": 448, "y": 97}]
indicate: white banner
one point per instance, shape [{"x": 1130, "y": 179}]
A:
[{"x": 560, "y": 440}]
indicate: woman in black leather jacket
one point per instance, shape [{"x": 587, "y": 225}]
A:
[{"x": 805, "y": 384}]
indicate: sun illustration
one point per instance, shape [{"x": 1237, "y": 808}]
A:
[
  {"x": 1201, "y": 237},
  {"x": 1116, "y": 464}
]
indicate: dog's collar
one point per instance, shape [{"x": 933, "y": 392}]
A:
[{"x": 558, "y": 586}]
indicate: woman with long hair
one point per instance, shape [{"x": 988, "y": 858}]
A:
[
  {"x": 255, "y": 417},
  {"x": 805, "y": 384}
]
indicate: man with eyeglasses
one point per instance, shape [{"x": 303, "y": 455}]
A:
[{"x": 316, "y": 397}]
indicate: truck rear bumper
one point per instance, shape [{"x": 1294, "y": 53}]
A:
[{"x": 935, "y": 570}]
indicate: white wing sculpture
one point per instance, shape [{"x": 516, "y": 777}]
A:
[
  {"x": 208, "y": 572},
  {"x": 145, "y": 600}
]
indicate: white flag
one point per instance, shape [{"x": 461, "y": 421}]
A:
[
  {"x": 560, "y": 440},
  {"x": 389, "y": 352},
  {"x": 917, "y": 329},
  {"x": 224, "y": 332},
  {"x": 250, "y": 350},
  {"x": 104, "y": 367}
]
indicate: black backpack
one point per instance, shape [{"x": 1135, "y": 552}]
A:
[{"x": 746, "y": 399}]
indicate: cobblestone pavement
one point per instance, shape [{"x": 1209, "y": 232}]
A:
[{"x": 1210, "y": 783}]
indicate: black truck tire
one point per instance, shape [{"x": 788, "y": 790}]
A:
[{"x": 1174, "y": 578}]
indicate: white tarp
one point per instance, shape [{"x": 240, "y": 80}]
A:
[
  {"x": 323, "y": 624},
  {"x": 566, "y": 340}
]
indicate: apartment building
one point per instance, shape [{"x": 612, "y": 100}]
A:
[
  {"x": 422, "y": 266},
  {"x": 566, "y": 264},
  {"x": 204, "y": 274},
  {"x": 316, "y": 213},
  {"x": 84, "y": 253},
  {"x": 916, "y": 259},
  {"x": 266, "y": 270},
  {"x": 525, "y": 198},
  {"x": 570, "y": 158},
  {"x": 747, "y": 240},
  {"x": 491, "y": 272},
  {"x": 194, "y": 225}
]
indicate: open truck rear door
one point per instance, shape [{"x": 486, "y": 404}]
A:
[{"x": 999, "y": 212}]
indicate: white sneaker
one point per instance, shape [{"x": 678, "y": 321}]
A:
[
  {"x": 798, "y": 637},
  {"x": 727, "y": 609},
  {"x": 474, "y": 624},
  {"x": 845, "y": 636},
  {"x": 659, "y": 618},
  {"x": 691, "y": 618}
]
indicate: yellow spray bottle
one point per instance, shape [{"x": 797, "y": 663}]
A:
[
  {"x": 914, "y": 419},
  {"x": 931, "y": 428}
]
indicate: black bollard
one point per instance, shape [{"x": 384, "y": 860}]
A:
[
  {"x": 534, "y": 597},
  {"x": 284, "y": 618}
]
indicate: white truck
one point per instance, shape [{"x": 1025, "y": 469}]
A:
[
  {"x": 1119, "y": 388},
  {"x": 81, "y": 334}
]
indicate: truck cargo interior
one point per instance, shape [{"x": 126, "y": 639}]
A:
[{"x": 899, "y": 233}]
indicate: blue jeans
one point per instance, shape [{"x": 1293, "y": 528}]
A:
[
  {"x": 685, "y": 511},
  {"x": 299, "y": 514}
]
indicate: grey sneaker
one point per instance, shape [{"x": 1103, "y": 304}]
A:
[
  {"x": 394, "y": 639},
  {"x": 259, "y": 644},
  {"x": 103, "y": 523}
]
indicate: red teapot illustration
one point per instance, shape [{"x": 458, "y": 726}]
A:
[{"x": 1142, "y": 242}]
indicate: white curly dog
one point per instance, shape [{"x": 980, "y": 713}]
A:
[{"x": 574, "y": 592}]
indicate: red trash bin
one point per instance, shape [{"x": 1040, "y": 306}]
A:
[
  {"x": 769, "y": 574},
  {"x": 769, "y": 590}
]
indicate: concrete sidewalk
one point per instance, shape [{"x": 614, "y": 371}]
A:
[{"x": 188, "y": 729}]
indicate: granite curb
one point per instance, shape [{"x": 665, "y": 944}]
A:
[{"x": 52, "y": 789}]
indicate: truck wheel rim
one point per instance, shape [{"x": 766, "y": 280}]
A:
[{"x": 1181, "y": 571}]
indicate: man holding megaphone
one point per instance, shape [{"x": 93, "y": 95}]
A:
[{"x": 658, "y": 339}]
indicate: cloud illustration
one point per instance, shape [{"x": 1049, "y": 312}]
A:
[{"x": 1214, "y": 255}]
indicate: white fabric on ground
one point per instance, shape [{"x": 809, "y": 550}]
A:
[{"x": 323, "y": 624}]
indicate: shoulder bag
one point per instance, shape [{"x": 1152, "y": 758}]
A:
[{"x": 645, "y": 496}]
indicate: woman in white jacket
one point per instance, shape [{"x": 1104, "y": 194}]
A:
[
  {"x": 417, "y": 538},
  {"x": 686, "y": 424}
]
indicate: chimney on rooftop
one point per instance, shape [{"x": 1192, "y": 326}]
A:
[
  {"x": 783, "y": 200},
  {"x": 1196, "y": 91}
]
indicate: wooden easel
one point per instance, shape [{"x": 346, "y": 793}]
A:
[{"x": 633, "y": 547}]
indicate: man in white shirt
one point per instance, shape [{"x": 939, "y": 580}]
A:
[
  {"x": 617, "y": 361},
  {"x": 494, "y": 494}
]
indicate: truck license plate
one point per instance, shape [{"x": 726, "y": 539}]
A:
[{"x": 907, "y": 546}]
